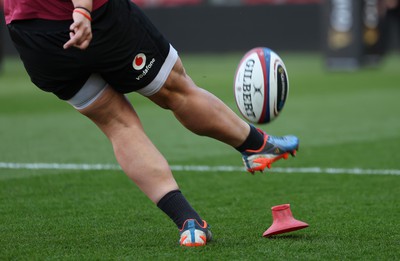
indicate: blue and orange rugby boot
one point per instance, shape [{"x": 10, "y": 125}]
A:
[
  {"x": 273, "y": 149},
  {"x": 193, "y": 234}
]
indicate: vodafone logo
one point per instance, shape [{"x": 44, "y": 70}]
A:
[{"x": 139, "y": 61}]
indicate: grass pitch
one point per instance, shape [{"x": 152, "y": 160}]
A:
[{"x": 344, "y": 121}]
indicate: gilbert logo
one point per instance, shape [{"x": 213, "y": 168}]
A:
[
  {"x": 139, "y": 62},
  {"x": 246, "y": 83}
]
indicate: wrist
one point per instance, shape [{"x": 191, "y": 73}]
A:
[{"x": 83, "y": 11}]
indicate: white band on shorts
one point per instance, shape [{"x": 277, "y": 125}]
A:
[
  {"x": 162, "y": 75},
  {"x": 95, "y": 85},
  {"x": 89, "y": 92}
]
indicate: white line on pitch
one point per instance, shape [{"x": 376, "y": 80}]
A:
[{"x": 198, "y": 168}]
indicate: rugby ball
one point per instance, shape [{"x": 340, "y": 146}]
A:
[{"x": 261, "y": 85}]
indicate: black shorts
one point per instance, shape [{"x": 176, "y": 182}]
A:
[{"x": 126, "y": 50}]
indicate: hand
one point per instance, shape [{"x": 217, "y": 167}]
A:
[{"x": 80, "y": 32}]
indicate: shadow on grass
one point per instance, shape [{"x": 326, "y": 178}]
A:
[{"x": 293, "y": 237}]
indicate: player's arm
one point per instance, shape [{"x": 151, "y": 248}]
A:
[{"x": 81, "y": 29}]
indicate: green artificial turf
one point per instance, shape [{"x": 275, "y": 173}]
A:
[{"x": 345, "y": 120}]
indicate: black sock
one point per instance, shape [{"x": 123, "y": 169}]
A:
[
  {"x": 177, "y": 208},
  {"x": 253, "y": 142}
]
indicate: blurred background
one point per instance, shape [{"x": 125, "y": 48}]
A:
[{"x": 349, "y": 33}]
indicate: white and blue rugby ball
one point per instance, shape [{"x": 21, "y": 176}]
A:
[{"x": 261, "y": 85}]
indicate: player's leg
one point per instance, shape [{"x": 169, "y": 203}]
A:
[
  {"x": 137, "y": 155},
  {"x": 205, "y": 114},
  {"x": 199, "y": 110}
]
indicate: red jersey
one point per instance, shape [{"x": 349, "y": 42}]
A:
[{"x": 42, "y": 9}]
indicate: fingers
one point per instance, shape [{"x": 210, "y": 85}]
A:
[
  {"x": 81, "y": 45},
  {"x": 81, "y": 32},
  {"x": 79, "y": 39},
  {"x": 71, "y": 42}
]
